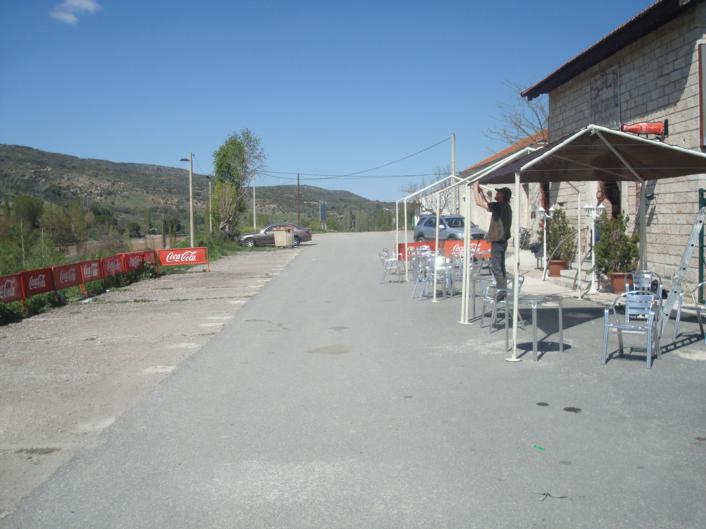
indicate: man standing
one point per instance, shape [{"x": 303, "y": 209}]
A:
[{"x": 498, "y": 231}]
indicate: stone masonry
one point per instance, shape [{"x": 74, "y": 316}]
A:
[{"x": 657, "y": 79}]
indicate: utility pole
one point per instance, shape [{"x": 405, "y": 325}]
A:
[
  {"x": 299, "y": 202},
  {"x": 190, "y": 159},
  {"x": 210, "y": 214},
  {"x": 254, "y": 209}
]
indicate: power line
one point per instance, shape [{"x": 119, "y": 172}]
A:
[
  {"x": 278, "y": 175},
  {"x": 359, "y": 174}
]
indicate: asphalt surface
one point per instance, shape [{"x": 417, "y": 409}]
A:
[{"x": 333, "y": 400}]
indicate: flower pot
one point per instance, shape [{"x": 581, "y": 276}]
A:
[
  {"x": 617, "y": 282},
  {"x": 556, "y": 266}
]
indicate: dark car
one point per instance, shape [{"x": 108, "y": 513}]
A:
[{"x": 266, "y": 236}]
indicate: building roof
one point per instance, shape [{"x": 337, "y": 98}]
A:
[
  {"x": 538, "y": 138},
  {"x": 645, "y": 22}
]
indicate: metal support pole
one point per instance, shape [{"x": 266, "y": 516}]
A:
[
  {"x": 643, "y": 226},
  {"x": 436, "y": 244},
  {"x": 466, "y": 253},
  {"x": 397, "y": 228},
  {"x": 453, "y": 171},
  {"x": 516, "y": 271},
  {"x": 594, "y": 278},
  {"x": 578, "y": 246},
  {"x": 406, "y": 242}
]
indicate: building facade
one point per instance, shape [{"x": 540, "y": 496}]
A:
[{"x": 645, "y": 71}]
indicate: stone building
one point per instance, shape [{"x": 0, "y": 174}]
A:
[{"x": 646, "y": 70}]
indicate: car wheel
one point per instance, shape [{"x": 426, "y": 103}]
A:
[
  {"x": 297, "y": 241},
  {"x": 420, "y": 238},
  {"x": 250, "y": 243}
]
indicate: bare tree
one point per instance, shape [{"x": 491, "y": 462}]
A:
[{"x": 519, "y": 118}]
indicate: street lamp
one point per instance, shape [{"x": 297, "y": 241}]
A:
[
  {"x": 545, "y": 215},
  {"x": 593, "y": 213},
  {"x": 190, "y": 159}
]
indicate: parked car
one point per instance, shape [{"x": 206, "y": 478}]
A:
[
  {"x": 266, "y": 236},
  {"x": 450, "y": 227}
]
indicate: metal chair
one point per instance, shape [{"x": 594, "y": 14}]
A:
[
  {"x": 641, "y": 317},
  {"x": 499, "y": 298},
  {"x": 644, "y": 281},
  {"x": 697, "y": 306},
  {"x": 428, "y": 280},
  {"x": 391, "y": 264}
]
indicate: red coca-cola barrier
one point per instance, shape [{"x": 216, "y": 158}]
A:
[
  {"x": 413, "y": 246},
  {"x": 66, "y": 276},
  {"x": 11, "y": 288},
  {"x": 475, "y": 246},
  {"x": 184, "y": 256},
  {"x": 150, "y": 257},
  {"x": 132, "y": 261},
  {"x": 90, "y": 270},
  {"x": 111, "y": 266},
  {"x": 37, "y": 281}
]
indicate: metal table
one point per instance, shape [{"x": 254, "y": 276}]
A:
[{"x": 534, "y": 302}]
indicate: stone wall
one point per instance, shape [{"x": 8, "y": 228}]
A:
[{"x": 652, "y": 79}]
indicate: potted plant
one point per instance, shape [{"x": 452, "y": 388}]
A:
[
  {"x": 561, "y": 242},
  {"x": 616, "y": 251}
]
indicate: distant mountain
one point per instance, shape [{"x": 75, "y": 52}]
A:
[{"x": 130, "y": 190}]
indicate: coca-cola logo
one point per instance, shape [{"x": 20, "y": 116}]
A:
[
  {"x": 91, "y": 270},
  {"x": 112, "y": 265},
  {"x": 134, "y": 261},
  {"x": 9, "y": 288},
  {"x": 67, "y": 276},
  {"x": 188, "y": 256},
  {"x": 37, "y": 282}
]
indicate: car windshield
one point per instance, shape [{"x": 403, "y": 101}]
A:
[{"x": 454, "y": 222}]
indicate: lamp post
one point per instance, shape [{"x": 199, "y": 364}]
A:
[
  {"x": 190, "y": 159},
  {"x": 210, "y": 214},
  {"x": 545, "y": 215},
  {"x": 593, "y": 213}
]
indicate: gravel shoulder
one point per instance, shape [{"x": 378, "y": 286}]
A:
[{"x": 69, "y": 373}]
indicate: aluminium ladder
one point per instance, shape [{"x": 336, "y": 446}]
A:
[{"x": 677, "y": 290}]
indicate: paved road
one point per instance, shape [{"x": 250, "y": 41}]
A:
[{"x": 335, "y": 401}]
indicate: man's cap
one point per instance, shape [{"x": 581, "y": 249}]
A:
[{"x": 506, "y": 191}]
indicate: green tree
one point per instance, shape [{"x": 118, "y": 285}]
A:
[
  {"x": 236, "y": 164},
  {"x": 28, "y": 209}
]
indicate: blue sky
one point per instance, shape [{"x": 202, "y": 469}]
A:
[{"x": 330, "y": 87}]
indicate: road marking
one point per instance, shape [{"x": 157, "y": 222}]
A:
[
  {"x": 158, "y": 370},
  {"x": 217, "y": 324},
  {"x": 95, "y": 426},
  {"x": 220, "y": 317},
  {"x": 183, "y": 345}
]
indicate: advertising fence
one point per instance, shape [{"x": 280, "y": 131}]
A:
[
  {"x": 20, "y": 286},
  {"x": 184, "y": 257},
  {"x": 448, "y": 247}
]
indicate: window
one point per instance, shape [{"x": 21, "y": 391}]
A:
[{"x": 431, "y": 223}]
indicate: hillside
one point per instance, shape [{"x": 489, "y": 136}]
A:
[{"x": 131, "y": 190}]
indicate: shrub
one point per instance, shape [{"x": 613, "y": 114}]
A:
[
  {"x": 616, "y": 251},
  {"x": 561, "y": 237}
]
